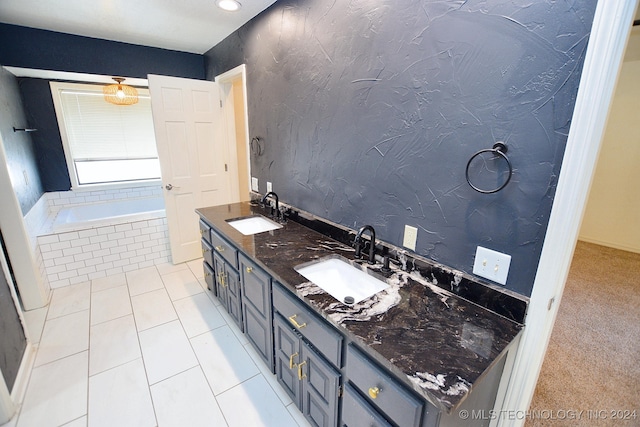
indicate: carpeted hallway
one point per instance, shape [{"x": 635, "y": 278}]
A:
[{"x": 593, "y": 360}]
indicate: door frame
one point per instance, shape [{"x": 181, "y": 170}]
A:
[
  {"x": 10, "y": 400},
  {"x": 604, "y": 56},
  {"x": 225, "y": 82},
  {"x": 33, "y": 291}
]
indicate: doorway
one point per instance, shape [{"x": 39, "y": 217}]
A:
[
  {"x": 201, "y": 136},
  {"x": 233, "y": 88},
  {"x": 592, "y": 355}
]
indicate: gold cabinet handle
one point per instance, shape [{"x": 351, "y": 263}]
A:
[
  {"x": 202, "y": 232},
  {"x": 292, "y": 319},
  {"x": 220, "y": 248},
  {"x": 249, "y": 269},
  {"x": 207, "y": 274},
  {"x": 301, "y": 376},
  {"x": 292, "y": 364},
  {"x": 221, "y": 279},
  {"x": 374, "y": 391},
  {"x": 204, "y": 251}
]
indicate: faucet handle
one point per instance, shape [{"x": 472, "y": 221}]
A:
[{"x": 357, "y": 244}]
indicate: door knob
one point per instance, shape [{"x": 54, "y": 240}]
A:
[{"x": 170, "y": 187}]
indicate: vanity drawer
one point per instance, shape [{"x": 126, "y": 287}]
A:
[
  {"x": 207, "y": 251},
  {"x": 382, "y": 390},
  {"x": 357, "y": 412},
  {"x": 227, "y": 251},
  {"x": 324, "y": 337},
  {"x": 204, "y": 231}
]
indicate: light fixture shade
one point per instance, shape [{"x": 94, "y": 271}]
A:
[{"x": 120, "y": 94}]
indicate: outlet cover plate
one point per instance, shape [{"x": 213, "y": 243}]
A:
[
  {"x": 254, "y": 184},
  {"x": 269, "y": 187},
  {"x": 410, "y": 237},
  {"x": 492, "y": 265}
]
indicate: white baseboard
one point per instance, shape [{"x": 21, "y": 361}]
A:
[{"x": 613, "y": 245}]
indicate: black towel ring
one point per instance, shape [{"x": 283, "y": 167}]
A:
[
  {"x": 499, "y": 148},
  {"x": 256, "y": 145}
]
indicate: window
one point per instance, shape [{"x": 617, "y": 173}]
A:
[{"x": 105, "y": 143}]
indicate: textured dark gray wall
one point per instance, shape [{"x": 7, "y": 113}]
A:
[
  {"x": 370, "y": 111},
  {"x": 18, "y": 146}
]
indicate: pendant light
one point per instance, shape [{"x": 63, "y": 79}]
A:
[{"x": 120, "y": 94}]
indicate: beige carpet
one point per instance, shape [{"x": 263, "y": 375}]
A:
[{"x": 593, "y": 360}]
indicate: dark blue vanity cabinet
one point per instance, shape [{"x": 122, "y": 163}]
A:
[
  {"x": 308, "y": 355},
  {"x": 221, "y": 271},
  {"x": 332, "y": 376},
  {"x": 257, "y": 315}
]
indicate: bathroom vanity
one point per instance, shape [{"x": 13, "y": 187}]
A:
[{"x": 415, "y": 354}]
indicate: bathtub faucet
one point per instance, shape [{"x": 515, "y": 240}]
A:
[{"x": 275, "y": 197}]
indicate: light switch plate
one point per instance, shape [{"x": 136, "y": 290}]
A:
[
  {"x": 410, "y": 237},
  {"x": 254, "y": 184},
  {"x": 269, "y": 187},
  {"x": 491, "y": 265}
]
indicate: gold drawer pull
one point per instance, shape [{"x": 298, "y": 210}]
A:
[
  {"x": 202, "y": 232},
  {"x": 374, "y": 391},
  {"x": 204, "y": 251},
  {"x": 220, "y": 248},
  {"x": 292, "y": 364},
  {"x": 207, "y": 274},
  {"x": 301, "y": 376},
  {"x": 249, "y": 269},
  {"x": 292, "y": 319}
]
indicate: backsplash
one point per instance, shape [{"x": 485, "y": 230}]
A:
[{"x": 504, "y": 302}]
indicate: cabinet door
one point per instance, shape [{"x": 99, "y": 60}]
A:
[
  {"x": 287, "y": 356},
  {"x": 221, "y": 289},
  {"x": 209, "y": 277},
  {"x": 259, "y": 333},
  {"x": 320, "y": 388},
  {"x": 256, "y": 308},
  {"x": 232, "y": 280}
]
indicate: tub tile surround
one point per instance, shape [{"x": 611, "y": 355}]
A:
[
  {"x": 72, "y": 257},
  {"x": 463, "y": 339}
]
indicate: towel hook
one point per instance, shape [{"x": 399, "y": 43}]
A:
[{"x": 499, "y": 148}]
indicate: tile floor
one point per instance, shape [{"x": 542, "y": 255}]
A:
[{"x": 150, "y": 347}]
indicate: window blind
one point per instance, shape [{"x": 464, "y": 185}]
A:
[{"x": 97, "y": 129}]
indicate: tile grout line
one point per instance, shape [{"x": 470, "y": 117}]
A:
[{"x": 144, "y": 365}]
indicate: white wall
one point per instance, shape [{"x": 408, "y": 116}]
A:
[{"x": 612, "y": 216}]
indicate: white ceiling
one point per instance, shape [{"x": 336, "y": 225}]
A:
[{"x": 193, "y": 26}]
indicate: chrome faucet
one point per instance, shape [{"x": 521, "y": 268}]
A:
[
  {"x": 275, "y": 196},
  {"x": 358, "y": 238}
]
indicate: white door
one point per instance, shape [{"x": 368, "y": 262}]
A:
[{"x": 194, "y": 156}]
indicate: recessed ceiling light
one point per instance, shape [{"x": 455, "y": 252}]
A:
[{"x": 229, "y": 5}]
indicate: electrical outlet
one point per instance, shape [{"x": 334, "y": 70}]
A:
[
  {"x": 254, "y": 184},
  {"x": 410, "y": 237},
  {"x": 269, "y": 187},
  {"x": 491, "y": 265}
]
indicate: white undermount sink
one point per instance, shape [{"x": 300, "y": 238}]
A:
[
  {"x": 340, "y": 279},
  {"x": 253, "y": 224}
]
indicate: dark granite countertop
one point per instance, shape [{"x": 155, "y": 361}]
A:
[{"x": 441, "y": 343}]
